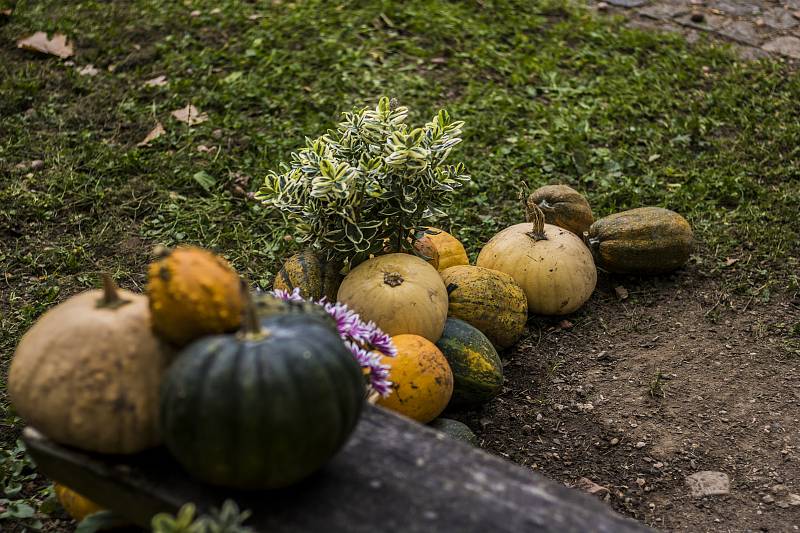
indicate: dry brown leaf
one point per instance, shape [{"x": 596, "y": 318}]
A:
[
  {"x": 155, "y": 133},
  {"x": 190, "y": 115},
  {"x": 6, "y": 12},
  {"x": 88, "y": 70},
  {"x": 38, "y": 42},
  {"x": 731, "y": 261},
  {"x": 621, "y": 292},
  {"x": 158, "y": 81}
]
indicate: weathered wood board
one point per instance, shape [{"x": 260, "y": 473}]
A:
[{"x": 393, "y": 475}]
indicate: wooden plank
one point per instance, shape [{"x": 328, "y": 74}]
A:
[{"x": 392, "y": 475}]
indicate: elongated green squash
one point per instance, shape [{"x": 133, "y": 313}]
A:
[
  {"x": 647, "y": 240},
  {"x": 314, "y": 277},
  {"x": 477, "y": 370}
]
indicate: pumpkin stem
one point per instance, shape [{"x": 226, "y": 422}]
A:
[
  {"x": 392, "y": 279},
  {"x": 110, "y": 299},
  {"x": 251, "y": 325},
  {"x": 534, "y": 215}
]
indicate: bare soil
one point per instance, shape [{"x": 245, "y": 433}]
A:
[{"x": 635, "y": 394}]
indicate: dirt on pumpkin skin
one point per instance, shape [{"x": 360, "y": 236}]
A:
[{"x": 637, "y": 394}]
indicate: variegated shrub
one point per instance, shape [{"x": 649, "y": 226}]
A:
[{"x": 368, "y": 185}]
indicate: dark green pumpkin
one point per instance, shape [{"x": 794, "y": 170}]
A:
[
  {"x": 314, "y": 277},
  {"x": 647, "y": 240},
  {"x": 477, "y": 370},
  {"x": 455, "y": 429},
  {"x": 261, "y": 410}
]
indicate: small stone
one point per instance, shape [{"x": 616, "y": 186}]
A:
[
  {"x": 627, "y": 3},
  {"x": 36, "y": 164},
  {"x": 539, "y": 417},
  {"x": 602, "y": 6},
  {"x": 641, "y": 444},
  {"x": 621, "y": 292},
  {"x": 658, "y": 465},
  {"x": 787, "y": 45},
  {"x": 768, "y": 499},
  {"x": 708, "y": 483},
  {"x": 614, "y": 441},
  {"x": 698, "y": 16},
  {"x": 780, "y": 490},
  {"x": 793, "y": 499}
]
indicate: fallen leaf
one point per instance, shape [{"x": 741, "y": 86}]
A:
[
  {"x": 38, "y": 42},
  {"x": 565, "y": 324},
  {"x": 730, "y": 261},
  {"x": 587, "y": 485},
  {"x": 195, "y": 13},
  {"x": 205, "y": 179},
  {"x": 190, "y": 115},
  {"x": 203, "y": 148},
  {"x": 88, "y": 70},
  {"x": 621, "y": 292},
  {"x": 215, "y": 11},
  {"x": 255, "y": 16},
  {"x": 4, "y": 13},
  {"x": 158, "y": 81},
  {"x": 155, "y": 133}
]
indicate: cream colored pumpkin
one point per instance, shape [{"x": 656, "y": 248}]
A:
[
  {"x": 88, "y": 373},
  {"x": 551, "y": 264},
  {"x": 401, "y": 293}
]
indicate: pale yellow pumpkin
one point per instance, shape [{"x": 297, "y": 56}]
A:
[
  {"x": 401, "y": 293},
  {"x": 442, "y": 249},
  {"x": 88, "y": 373},
  {"x": 551, "y": 264}
]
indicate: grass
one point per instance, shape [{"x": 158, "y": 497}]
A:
[{"x": 549, "y": 93}]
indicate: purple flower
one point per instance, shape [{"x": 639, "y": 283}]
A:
[{"x": 366, "y": 341}]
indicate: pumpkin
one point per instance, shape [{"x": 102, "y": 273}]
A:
[
  {"x": 262, "y": 408},
  {"x": 442, "y": 249},
  {"x": 314, "y": 277},
  {"x": 564, "y": 207},
  {"x": 551, "y": 264},
  {"x": 401, "y": 293},
  {"x": 455, "y": 429},
  {"x": 643, "y": 240},
  {"x": 76, "y": 505},
  {"x": 88, "y": 372},
  {"x": 422, "y": 382},
  {"x": 489, "y": 300},
  {"x": 193, "y": 293},
  {"x": 477, "y": 370}
]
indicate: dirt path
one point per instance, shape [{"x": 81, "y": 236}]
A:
[
  {"x": 757, "y": 27},
  {"x": 637, "y": 394}
]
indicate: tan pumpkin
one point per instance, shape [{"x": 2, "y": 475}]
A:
[
  {"x": 193, "y": 293},
  {"x": 564, "y": 207},
  {"x": 551, "y": 264},
  {"x": 88, "y": 372},
  {"x": 488, "y": 300},
  {"x": 422, "y": 381},
  {"x": 442, "y": 249},
  {"x": 314, "y": 277},
  {"x": 646, "y": 240},
  {"x": 401, "y": 293},
  {"x": 76, "y": 505}
]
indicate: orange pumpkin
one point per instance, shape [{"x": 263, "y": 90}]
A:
[
  {"x": 76, "y": 505},
  {"x": 422, "y": 381},
  {"x": 441, "y": 249},
  {"x": 193, "y": 293}
]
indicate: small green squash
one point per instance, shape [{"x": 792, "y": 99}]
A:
[
  {"x": 565, "y": 207},
  {"x": 488, "y": 300},
  {"x": 263, "y": 408},
  {"x": 477, "y": 370},
  {"x": 647, "y": 240},
  {"x": 455, "y": 429},
  {"x": 314, "y": 277}
]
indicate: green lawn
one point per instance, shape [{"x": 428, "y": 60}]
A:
[{"x": 549, "y": 93}]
